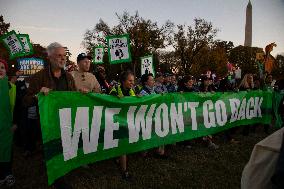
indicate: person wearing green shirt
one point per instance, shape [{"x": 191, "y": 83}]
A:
[{"x": 122, "y": 90}]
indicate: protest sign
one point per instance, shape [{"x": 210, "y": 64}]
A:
[
  {"x": 13, "y": 44},
  {"x": 30, "y": 66},
  {"x": 147, "y": 65},
  {"x": 119, "y": 49},
  {"x": 98, "y": 55},
  {"x": 25, "y": 39}
]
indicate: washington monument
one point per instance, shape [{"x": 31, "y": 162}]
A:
[{"x": 248, "y": 29}]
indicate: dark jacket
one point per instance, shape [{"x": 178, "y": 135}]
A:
[
  {"x": 186, "y": 89},
  {"x": 41, "y": 79}
]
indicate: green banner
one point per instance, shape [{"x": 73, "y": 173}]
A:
[
  {"x": 6, "y": 136},
  {"x": 276, "y": 104},
  {"x": 83, "y": 128}
]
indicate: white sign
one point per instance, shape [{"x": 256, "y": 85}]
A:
[
  {"x": 119, "y": 50},
  {"x": 98, "y": 55},
  {"x": 147, "y": 65},
  {"x": 26, "y": 43}
]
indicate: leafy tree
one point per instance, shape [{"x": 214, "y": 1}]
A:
[
  {"x": 245, "y": 57},
  {"x": 210, "y": 58},
  {"x": 3, "y": 26},
  {"x": 278, "y": 70},
  {"x": 190, "y": 41},
  {"x": 168, "y": 62},
  {"x": 95, "y": 36},
  {"x": 146, "y": 37},
  {"x": 226, "y": 45}
]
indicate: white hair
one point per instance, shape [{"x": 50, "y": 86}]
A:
[{"x": 52, "y": 46}]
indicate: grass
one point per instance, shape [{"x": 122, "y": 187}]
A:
[{"x": 198, "y": 167}]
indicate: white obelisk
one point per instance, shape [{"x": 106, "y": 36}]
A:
[{"x": 248, "y": 29}]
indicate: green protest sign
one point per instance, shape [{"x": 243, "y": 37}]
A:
[
  {"x": 13, "y": 44},
  {"x": 98, "y": 55},
  {"x": 82, "y": 128},
  {"x": 147, "y": 65},
  {"x": 28, "y": 48},
  {"x": 119, "y": 49}
]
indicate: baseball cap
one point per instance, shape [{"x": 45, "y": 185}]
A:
[{"x": 82, "y": 56}]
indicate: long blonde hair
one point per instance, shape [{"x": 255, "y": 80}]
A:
[{"x": 244, "y": 83}]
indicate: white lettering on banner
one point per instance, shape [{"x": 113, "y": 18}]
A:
[
  {"x": 66, "y": 133},
  {"x": 110, "y": 126},
  {"x": 139, "y": 122},
  {"x": 70, "y": 141},
  {"x": 257, "y": 105},
  {"x": 234, "y": 104},
  {"x": 92, "y": 146},
  {"x": 162, "y": 132},
  {"x": 209, "y": 117},
  {"x": 146, "y": 133},
  {"x": 242, "y": 112},
  {"x": 192, "y": 106},
  {"x": 177, "y": 118},
  {"x": 250, "y": 113},
  {"x": 245, "y": 110},
  {"x": 221, "y": 114}
]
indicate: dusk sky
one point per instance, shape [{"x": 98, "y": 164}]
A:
[{"x": 66, "y": 21}]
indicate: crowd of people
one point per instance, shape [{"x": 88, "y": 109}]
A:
[{"x": 22, "y": 95}]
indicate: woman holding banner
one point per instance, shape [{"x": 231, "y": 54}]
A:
[
  {"x": 207, "y": 86},
  {"x": 148, "y": 84},
  {"x": 125, "y": 89},
  {"x": 247, "y": 84},
  {"x": 7, "y": 103}
]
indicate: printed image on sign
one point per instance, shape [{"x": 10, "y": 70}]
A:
[
  {"x": 119, "y": 49},
  {"x": 26, "y": 43},
  {"x": 147, "y": 65},
  {"x": 13, "y": 44},
  {"x": 98, "y": 55},
  {"x": 30, "y": 66}
]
